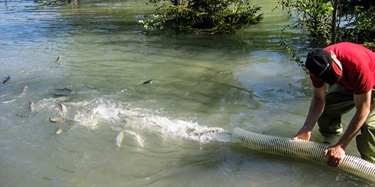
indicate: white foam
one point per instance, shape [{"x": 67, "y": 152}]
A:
[
  {"x": 111, "y": 112},
  {"x": 101, "y": 111},
  {"x": 145, "y": 119},
  {"x": 182, "y": 129}
]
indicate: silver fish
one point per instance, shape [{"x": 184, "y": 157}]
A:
[
  {"x": 119, "y": 139},
  {"x": 140, "y": 141},
  {"x": 31, "y": 106},
  {"x": 56, "y": 120},
  {"x": 63, "y": 110}
]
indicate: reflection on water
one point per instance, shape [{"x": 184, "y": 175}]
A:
[{"x": 87, "y": 119}]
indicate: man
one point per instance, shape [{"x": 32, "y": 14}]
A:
[{"x": 350, "y": 70}]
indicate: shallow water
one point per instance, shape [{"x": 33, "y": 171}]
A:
[{"x": 117, "y": 131}]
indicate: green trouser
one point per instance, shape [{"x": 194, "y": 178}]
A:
[{"x": 338, "y": 102}]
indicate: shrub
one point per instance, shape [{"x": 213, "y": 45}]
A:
[{"x": 203, "y": 16}]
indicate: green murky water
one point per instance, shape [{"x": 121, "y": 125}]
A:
[{"x": 117, "y": 131}]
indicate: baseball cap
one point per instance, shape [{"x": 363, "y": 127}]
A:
[{"x": 319, "y": 63}]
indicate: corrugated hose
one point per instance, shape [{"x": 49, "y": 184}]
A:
[{"x": 300, "y": 149}]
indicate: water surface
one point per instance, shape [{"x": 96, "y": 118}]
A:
[{"x": 121, "y": 132}]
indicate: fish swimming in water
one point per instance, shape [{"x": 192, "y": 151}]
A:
[
  {"x": 148, "y": 82},
  {"x": 7, "y": 78},
  {"x": 25, "y": 89},
  {"x": 65, "y": 90},
  {"x": 140, "y": 141},
  {"x": 63, "y": 110},
  {"x": 62, "y": 92},
  {"x": 56, "y": 120},
  {"x": 59, "y": 130},
  {"x": 119, "y": 139},
  {"x": 31, "y": 106}
]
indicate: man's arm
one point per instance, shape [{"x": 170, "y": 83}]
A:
[
  {"x": 336, "y": 153},
  {"x": 315, "y": 110}
]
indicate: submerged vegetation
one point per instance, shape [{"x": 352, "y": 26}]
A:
[{"x": 202, "y": 16}]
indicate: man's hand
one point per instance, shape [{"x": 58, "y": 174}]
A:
[
  {"x": 302, "y": 136},
  {"x": 316, "y": 109},
  {"x": 335, "y": 155}
]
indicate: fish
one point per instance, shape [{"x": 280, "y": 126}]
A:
[
  {"x": 24, "y": 91},
  {"x": 25, "y": 88},
  {"x": 119, "y": 139},
  {"x": 62, "y": 92},
  {"x": 7, "y": 78},
  {"x": 148, "y": 81},
  {"x": 31, "y": 106},
  {"x": 71, "y": 2},
  {"x": 56, "y": 120},
  {"x": 58, "y": 58},
  {"x": 140, "y": 141},
  {"x": 63, "y": 109},
  {"x": 59, "y": 130}
]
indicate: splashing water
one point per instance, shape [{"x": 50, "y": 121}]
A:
[
  {"x": 183, "y": 129},
  {"x": 103, "y": 112}
]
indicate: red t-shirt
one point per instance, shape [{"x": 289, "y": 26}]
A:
[{"x": 358, "y": 64}]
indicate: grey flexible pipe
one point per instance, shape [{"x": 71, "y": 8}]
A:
[{"x": 300, "y": 149}]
